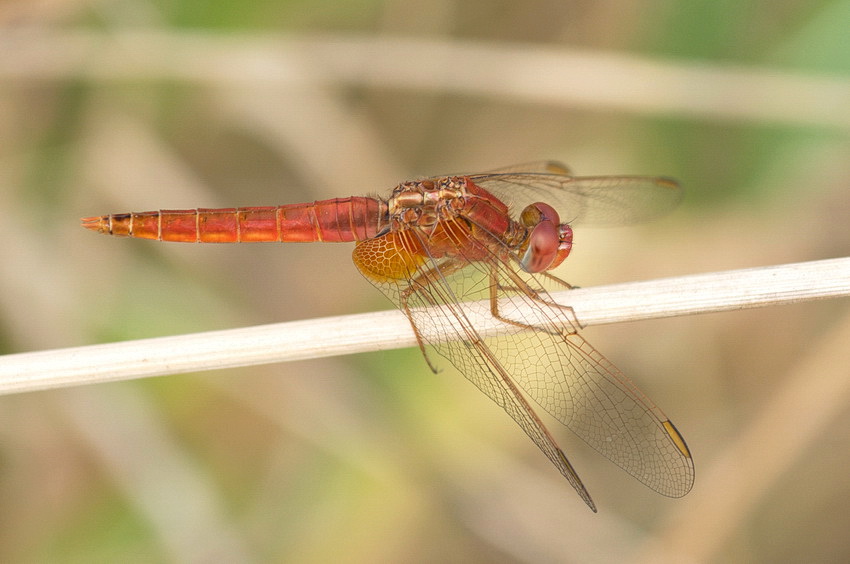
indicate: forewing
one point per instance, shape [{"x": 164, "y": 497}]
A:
[
  {"x": 599, "y": 200},
  {"x": 531, "y": 167},
  {"x": 546, "y": 167}
]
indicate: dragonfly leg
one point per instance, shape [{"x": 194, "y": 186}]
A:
[
  {"x": 546, "y": 275},
  {"x": 428, "y": 279},
  {"x": 405, "y": 294},
  {"x": 571, "y": 325},
  {"x": 557, "y": 280},
  {"x": 570, "y": 311}
]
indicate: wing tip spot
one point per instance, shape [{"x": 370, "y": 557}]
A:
[{"x": 677, "y": 438}]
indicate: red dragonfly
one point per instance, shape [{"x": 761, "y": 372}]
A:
[{"x": 444, "y": 240}]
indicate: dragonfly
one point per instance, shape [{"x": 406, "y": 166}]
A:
[{"x": 436, "y": 243}]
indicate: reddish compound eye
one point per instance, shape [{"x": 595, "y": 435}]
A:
[
  {"x": 544, "y": 240},
  {"x": 542, "y": 247}
]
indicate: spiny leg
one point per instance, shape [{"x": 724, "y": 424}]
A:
[
  {"x": 420, "y": 284},
  {"x": 520, "y": 286},
  {"x": 557, "y": 280}
]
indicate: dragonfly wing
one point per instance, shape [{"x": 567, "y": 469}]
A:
[
  {"x": 449, "y": 331},
  {"x": 532, "y": 167},
  {"x": 597, "y": 200},
  {"x": 545, "y": 167},
  {"x": 578, "y": 386}
]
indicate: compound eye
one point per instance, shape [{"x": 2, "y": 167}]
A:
[
  {"x": 542, "y": 248},
  {"x": 543, "y": 239}
]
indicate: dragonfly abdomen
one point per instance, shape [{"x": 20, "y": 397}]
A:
[{"x": 336, "y": 220}]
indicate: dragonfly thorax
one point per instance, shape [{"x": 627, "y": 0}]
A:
[
  {"x": 430, "y": 193},
  {"x": 422, "y": 203}
]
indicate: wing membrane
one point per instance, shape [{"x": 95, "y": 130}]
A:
[
  {"x": 597, "y": 200},
  {"x": 467, "y": 351},
  {"x": 556, "y": 367},
  {"x": 578, "y": 386},
  {"x": 547, "y": 167}
]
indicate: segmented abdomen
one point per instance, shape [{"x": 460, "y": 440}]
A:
[{"x": 337, "y": 220}]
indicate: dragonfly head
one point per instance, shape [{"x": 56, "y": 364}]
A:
[{"x": 548, "y": 242}]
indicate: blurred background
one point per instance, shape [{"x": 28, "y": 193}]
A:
[{"x": 111, "y": 106}]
